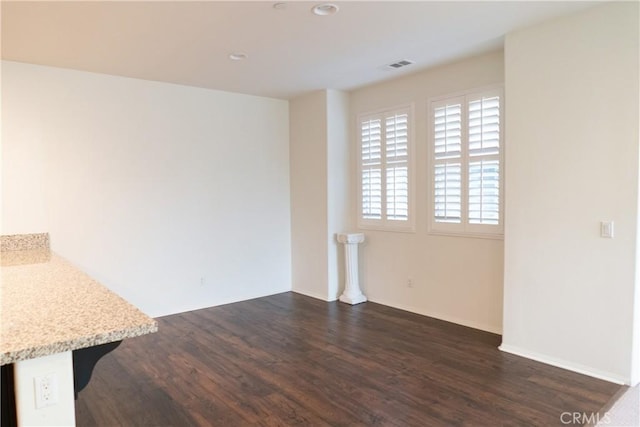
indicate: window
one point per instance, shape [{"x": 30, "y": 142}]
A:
[
  {"x": 467, "y": 164},
  {"x": 385, "y": 147}
]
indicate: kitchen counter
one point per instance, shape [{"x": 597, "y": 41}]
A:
[
  {"x": 56, "y": 322},
  {"x": 48, "y": 306}
]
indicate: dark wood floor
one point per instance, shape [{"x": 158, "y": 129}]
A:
[{"x": 292, "y": 360}]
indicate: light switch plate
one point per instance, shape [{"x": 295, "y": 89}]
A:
[{"x": 606, "y": 229}]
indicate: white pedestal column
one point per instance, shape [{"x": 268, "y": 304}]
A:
[{"x": 352, "y": 293}]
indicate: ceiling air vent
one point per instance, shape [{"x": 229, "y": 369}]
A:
[{"x": 400, "y": 64}]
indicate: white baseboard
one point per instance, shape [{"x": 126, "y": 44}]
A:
[
  {"x": 216, "y": 303},
  {"x": 564, "y": 364},
  {"x": 440, "y": 316},
  {"x": 311, "y": 294}
]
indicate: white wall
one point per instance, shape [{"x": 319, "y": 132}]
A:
[
  {"x": 572, "y": 161},
  {"x": 308, "y": 153},
  {"x": 23, "y": 155},
  {"x": 320, "y": 184},
  {"x": 338, "y": 186},
  {"x": 454, "y": 278},
  {"x": 175, "y": 197}
]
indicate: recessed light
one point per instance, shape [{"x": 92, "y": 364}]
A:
[
  {"x": 238, "y": 56},
  {"x": 279, "y": 6},
  {"x": 325, "y": 9}
]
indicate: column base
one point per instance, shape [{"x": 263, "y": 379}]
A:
[{"x": 353, "y": 300}]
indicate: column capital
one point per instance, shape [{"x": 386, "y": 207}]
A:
[{"x": 348, "y": 238}]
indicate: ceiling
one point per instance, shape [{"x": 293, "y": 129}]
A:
[{"x": 290, "y": 50}]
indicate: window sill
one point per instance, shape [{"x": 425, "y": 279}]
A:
[
  {"x": 490, "y": 236},
  {"x": 387, "y": 228}
]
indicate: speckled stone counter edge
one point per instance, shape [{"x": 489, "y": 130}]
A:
[
  {"x": 77, "y": 343},
  {"x": 30, "y": 243},
  {"x": 24, "y": 242}
]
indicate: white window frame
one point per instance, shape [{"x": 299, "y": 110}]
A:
[
  {"x": 464, "y": 227},
  {"x": 385, "y": 224}
]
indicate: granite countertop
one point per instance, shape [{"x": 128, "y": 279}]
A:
[{"x": 48, "y": 306}]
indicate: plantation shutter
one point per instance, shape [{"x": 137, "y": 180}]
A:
[
  {"x": 484, "y": 160},
  {"x": 466, "y": 155},
  {"x": 448, "y": 162},
  {"x": 397, "y": 170},
  {"x": 384, "y": 168},
  {"x": 371, "y": 143}
]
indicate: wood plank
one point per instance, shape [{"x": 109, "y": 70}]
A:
[{"x": 288, "y": 359}]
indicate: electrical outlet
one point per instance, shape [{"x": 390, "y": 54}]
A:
[
  {"x": 409, "y": 283},
  {"x": 46, "y": 388}
]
